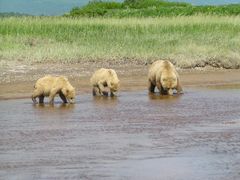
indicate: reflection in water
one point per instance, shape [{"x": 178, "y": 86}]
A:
[
  {"x": 154, "y": 96},
  {"x": 52, "y": 106},
  {"x": 105, "y": 100},
  {"x": 132, "y": 136},
  {"x": 46, "y": 108}
]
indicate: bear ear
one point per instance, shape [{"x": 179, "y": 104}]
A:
[{"x": 110, "y": 71}]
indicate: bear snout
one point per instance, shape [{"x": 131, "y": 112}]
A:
[
  {"x": 170, "y": 92},
  {"x": 71, "y": 101}
]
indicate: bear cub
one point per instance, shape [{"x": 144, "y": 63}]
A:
[
  {"x": 50, "y": 86},
  {"x": 104, "y": 78}
]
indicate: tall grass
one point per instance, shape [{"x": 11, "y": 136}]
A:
[{"x": 187, "y": 41}]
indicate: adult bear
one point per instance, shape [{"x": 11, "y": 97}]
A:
[{"x": 163, "y": 74}]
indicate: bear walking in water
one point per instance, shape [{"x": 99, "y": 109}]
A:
[
  {"x": 103, "y": 78},
  {"x": 163, "y": 75},
  {"x": 52, "y": 85}
]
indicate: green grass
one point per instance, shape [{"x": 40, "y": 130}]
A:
[
  {"x": 150, "y": 8},
  {"x": 188, "y": 41}
]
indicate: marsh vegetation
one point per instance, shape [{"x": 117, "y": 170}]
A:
[{"x": 188, "y": 41}]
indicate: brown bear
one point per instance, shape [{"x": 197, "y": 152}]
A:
[
  {"x": 163, "y": 74},
  {"x": 52, "y": 85},
  {"x": 103, "y": 78}
]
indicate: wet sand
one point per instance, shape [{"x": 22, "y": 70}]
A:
[
  {"x": 18, "y": 82},
  {"x": 133, "y": 136}
]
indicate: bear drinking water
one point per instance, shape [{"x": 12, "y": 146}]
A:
[
  {"x": 103, "y": 78},
  {"x": 52, "y": 85},
  {"x": 163, "y": 75}
]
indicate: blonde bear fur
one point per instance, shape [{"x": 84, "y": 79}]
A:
[
  {"x": 163, "y": 75},
  {"x": 52, "y": 85},
  {"x": 104, "y": 78}
]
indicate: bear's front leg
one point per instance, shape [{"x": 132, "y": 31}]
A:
[
  {"x": 62, "y": 97},
  {"x": 163, "y": 91},
  {"x": 112, "y": 94},
  {"x": 51, "y": 99},
  {"x": 159, "y": 86},
  {"x": 151, "y": 86},
  {"x": 179, "y": 88},
  {"x": 96, "y": 91},
  {"x": 41, "y": 99}
]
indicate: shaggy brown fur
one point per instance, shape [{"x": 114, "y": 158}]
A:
[
  {"x": 163, "y": 75},
  {"x": 103, "y": 78},
  {"x": 52, "y": 85}
]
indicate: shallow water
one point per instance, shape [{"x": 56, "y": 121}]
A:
[{"x": 132, "y": 136}]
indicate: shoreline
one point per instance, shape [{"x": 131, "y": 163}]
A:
[{"x": 17, "y": 83}]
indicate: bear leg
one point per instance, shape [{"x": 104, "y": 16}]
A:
[
  {"x": 95, "y": 91},
  {"x": 179, "y": 88},
  {"x": 151, "y": 87},
  {"x": 112, "y": 94},
  {"x": 101, "y": 88},
  {"x": 41, "y": 99},
  {"x": 159, "y": 86},
  {"x": 105, "y": 93},
  {"x": 62, "y": 97},
  {"x": 163, "y": 91},
  {"x": 52, "y": 95}
]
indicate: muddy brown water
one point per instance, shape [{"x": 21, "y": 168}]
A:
[{"x": 132, "y": 136}]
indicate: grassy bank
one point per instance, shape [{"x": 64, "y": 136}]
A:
[
  {"x": 150, "y": 8},
  {"x": 188, "y": 41}
]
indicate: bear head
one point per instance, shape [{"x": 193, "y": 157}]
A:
[
  {"x": 114, "y": 81},
  {"x": 69, "y": 94},
  {"x": 169, "y": 81},
  {"x": 114, "y": 85}
]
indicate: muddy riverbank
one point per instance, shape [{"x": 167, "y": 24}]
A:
[{"x": 17, "y": 80}]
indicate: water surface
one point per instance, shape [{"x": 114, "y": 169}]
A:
[{"x": 133, "y": 136}]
